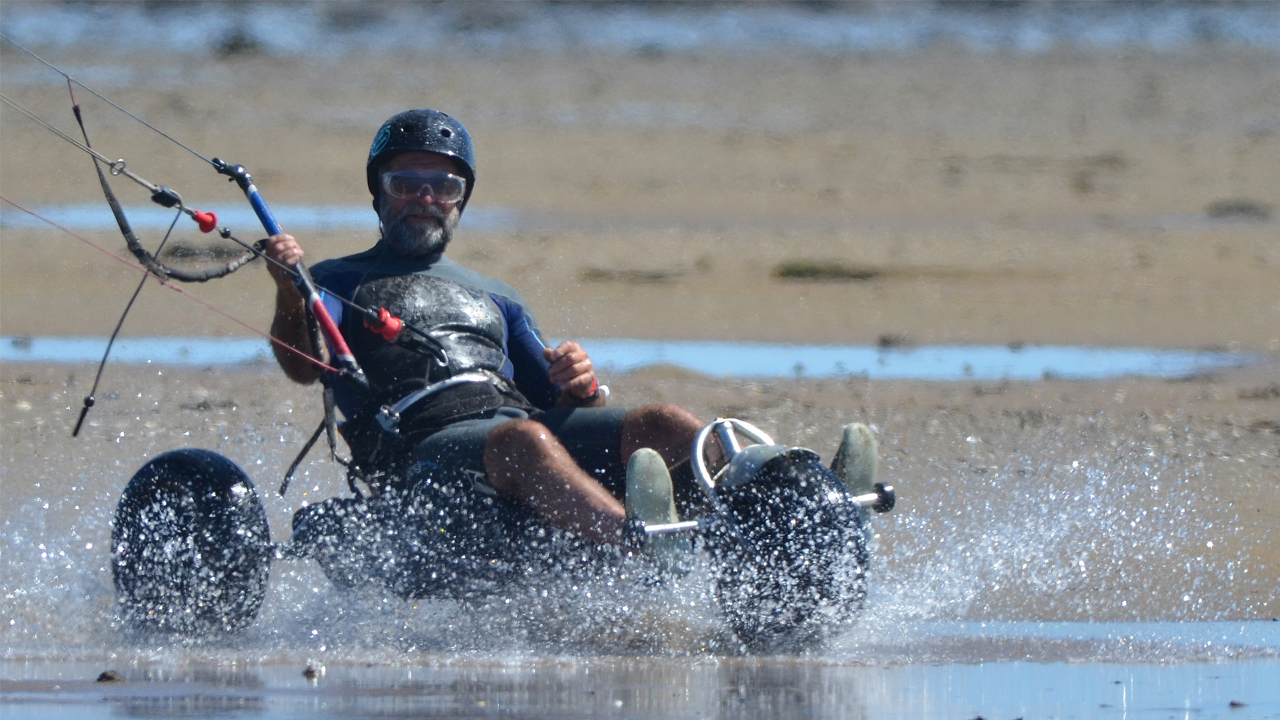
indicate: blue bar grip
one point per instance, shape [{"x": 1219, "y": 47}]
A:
[
  {"x": 262, "y": 211},
  {"x": 241, "y": 178},
  {"x": 308, "y": 287}
]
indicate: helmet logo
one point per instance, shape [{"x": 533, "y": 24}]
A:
[{"x": 380, "y": 142}]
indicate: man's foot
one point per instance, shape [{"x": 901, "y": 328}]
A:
[
  {"x": 650, "y": 499},
  {"x": 858, "y": 459}
]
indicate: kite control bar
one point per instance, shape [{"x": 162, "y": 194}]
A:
[{"x": 343, "y": 356}]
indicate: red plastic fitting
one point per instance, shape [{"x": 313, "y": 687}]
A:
[
  {"x": 387, "y": 326},
  {"x": 206, "y": 220}
]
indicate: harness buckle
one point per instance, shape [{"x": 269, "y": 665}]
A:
[{"x": 389, "y": 420}]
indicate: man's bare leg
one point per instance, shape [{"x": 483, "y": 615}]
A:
[
  {"x": 523, "y": 460},
  {"x": 668, "y": 429}
]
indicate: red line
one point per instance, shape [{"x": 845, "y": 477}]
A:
[{"x": 175, "y": 288}]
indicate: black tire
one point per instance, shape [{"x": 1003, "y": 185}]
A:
[
  {"x": 191, "y": 546},
  {"x": 795, "y": 569}
]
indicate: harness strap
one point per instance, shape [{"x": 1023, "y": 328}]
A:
[{"x": 389, "y": 416}]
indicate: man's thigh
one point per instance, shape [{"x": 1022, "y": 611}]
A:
[
  {"x": 592, "y": 437},
  {"x": 460, "y": 447}
]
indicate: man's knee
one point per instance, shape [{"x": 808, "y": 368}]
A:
[
  {"x": 516, "y": 440},
  {"x": 669, "y": 429},
  {"x": 662, "y": 418},
  {"x": 512, "y": 450}
]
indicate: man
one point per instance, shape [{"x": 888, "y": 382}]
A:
[{"x": 485, "y": 395}]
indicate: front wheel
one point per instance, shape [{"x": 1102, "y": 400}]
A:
[{"x": 788, "y": 540}]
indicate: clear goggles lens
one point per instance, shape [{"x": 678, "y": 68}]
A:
[{"x": 441, "y": 187}]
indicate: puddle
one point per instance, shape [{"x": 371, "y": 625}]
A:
[
  {"x": 836, "y": 684},
  {"x": 161, "y": 350},
  {"x": 316, "y": 29},
  {"x": 637, "y": 687},
  {"x": 97, "y": 216},
  {"x": 718, "y": 359},
  {"x": 492, "y": 218},
  {"x": 939, "y": 362}
]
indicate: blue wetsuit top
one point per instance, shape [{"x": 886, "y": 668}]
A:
[{"x": 481, "y": 322}]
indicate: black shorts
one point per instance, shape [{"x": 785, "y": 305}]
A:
[{"x": 593, "y": 437}]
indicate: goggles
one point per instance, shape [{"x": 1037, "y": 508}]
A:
[{"x": 443, "y": 188}]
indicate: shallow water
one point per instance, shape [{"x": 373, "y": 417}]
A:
[
  {"x": 338, "y": 29},
  {"x": 479, "y": 218},
  {"x": 716, "y": 359},
  {"x": 448, "y": 687},
  {"x": 97, "y": 216}
]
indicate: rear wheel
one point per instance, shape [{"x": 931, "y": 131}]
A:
[{"x": 191, "y": 545}]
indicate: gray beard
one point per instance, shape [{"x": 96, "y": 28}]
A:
[{"x": 418, "y": 241}]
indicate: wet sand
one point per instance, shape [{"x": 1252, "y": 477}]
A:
[{"x": 1124, "y": 500}]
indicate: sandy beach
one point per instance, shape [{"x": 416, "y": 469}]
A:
[{"x": 1123, "y": 199}]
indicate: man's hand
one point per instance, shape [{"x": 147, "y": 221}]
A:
[
  {"x": 284, "y": 249},
  {"x": 571, "y": 370}
]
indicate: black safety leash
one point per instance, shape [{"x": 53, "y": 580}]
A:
[
  {"x": 111, "y": 341},
  {"x": 379, "y": 320},
  {"x": 174, "y": 287},
  {"x": 293, "y": 467},
  {"x": 160, "y": 194}
]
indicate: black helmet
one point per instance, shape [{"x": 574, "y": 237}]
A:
[{"x": 428, "y": 130}]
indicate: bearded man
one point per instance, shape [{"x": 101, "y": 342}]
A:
[{"x": 524, "y": 421}]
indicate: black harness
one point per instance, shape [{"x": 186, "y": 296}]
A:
[{"x": 415, "y": 395}]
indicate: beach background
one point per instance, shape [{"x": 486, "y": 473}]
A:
[
  {"x": 1121, "y": 195},
  {"x": 846, "y": 174}
]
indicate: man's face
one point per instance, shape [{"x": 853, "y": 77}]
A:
[{"x": 418, "y": 226}]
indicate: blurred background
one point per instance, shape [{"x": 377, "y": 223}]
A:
[{"x": 829, "y": 172}]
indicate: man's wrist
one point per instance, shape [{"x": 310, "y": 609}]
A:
[{"x": 598, "y": 393}]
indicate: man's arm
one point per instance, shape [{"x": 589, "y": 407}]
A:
[
  {"x": 290, "y": 322},
  {"x": 562, "y": 376}
]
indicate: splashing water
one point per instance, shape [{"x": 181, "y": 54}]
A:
[{"x": 1043, "y": 539}]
